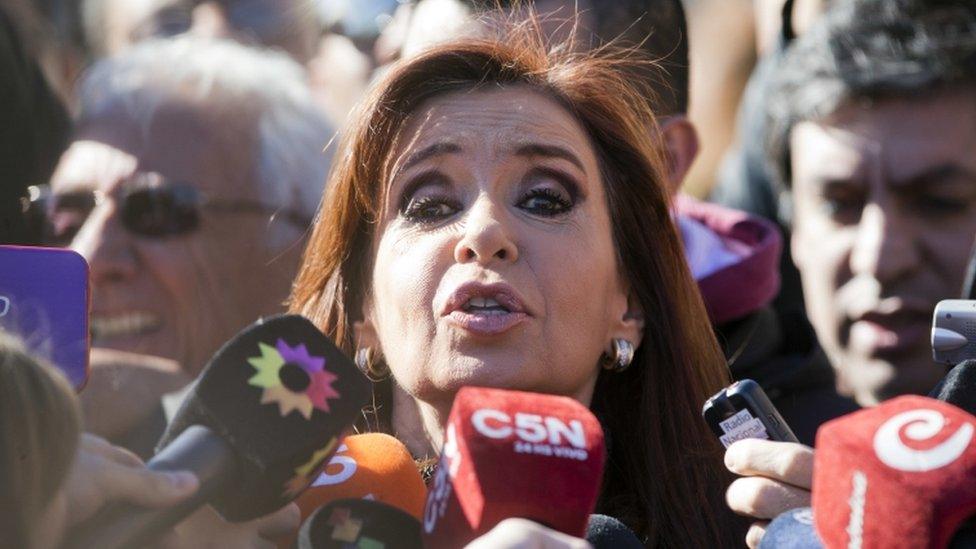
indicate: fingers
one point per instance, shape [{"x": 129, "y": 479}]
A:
[
  {"x": 279, "y": 524},
  {"x": 764, "y": 498},
  {"x": 141, "y": 486},
  {"x": 755, "y": 534},
  {"x": 103, "y": 448},
  {"x": 788, "y": 462}
]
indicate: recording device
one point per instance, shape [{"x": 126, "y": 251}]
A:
[
  {"x": 954, "y": 331},
  {"x": 44, "y": 301},
  {"x": 742, "y": 410},
  {"x": 266, "y": 412},
  {"x": 605, "y": 532},
  {"x": 513, "y": 454},
  {"x": 902, "y": 474},
  {"x": 359, "y": 523},
  {"x": 372, "y": 466}
]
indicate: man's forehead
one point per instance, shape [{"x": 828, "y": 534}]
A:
[
  {"x": 213, "y": 151},
  {"x": 904, "y": 135}
]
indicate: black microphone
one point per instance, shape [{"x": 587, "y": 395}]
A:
[
  {"x": 265, "y": 413},
  {"x": 605, "y": 532},
  {"x": 359, "y": 523},
  {"x": 958, "y": 387}
]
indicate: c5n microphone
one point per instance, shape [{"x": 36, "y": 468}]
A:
[
  {"x": 372, "y": 466},
  {"x": 359, "y": 523},
  {"x": 514, "y": 454},
  {"x": 266, "y": 412},
  {"x": 902, "y": 474}
]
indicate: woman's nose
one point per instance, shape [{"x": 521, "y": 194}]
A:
[{"x": 487, "y": 236}]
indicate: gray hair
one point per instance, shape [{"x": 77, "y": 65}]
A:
[{"x": 290, "y": 165}]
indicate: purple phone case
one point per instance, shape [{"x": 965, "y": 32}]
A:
[{"x": 44, "y": 300}]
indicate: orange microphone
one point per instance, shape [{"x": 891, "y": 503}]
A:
[{"x": 371, "y": 466}]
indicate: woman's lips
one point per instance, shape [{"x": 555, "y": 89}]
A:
[
  {"x": 485, "y": 309},
  {"x": 486, "y": 323}
]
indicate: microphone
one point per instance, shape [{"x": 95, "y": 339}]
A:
[
  {"x": 605, "y": 532},
  {"x": 265, "y": 413},
  {"x": 372, "y": 466},
  {"x": 792, "y": 530},
  {"x": 902, "y": 474},
  {"x": 958, "y": 387},
  {"x": 359, "y": 523},
  {"x": 514, "y": 454}
]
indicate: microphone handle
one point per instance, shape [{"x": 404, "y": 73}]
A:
[{"x": 118, "y": 526}]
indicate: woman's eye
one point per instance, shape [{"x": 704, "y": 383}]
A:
[
  {"x": 546, "y": 202},
  {"x": 429, "y": 209}
]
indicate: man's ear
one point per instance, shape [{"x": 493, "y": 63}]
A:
[{"x": 681, "y": 143}]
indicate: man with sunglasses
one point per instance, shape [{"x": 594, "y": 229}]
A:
[{"x": 194, "y": 173}]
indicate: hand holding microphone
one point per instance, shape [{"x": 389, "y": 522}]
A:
[
  {"x": 103, "y": 474},
  {"x": 266, "y": 412},
  {"x": 776, "y": 477}
]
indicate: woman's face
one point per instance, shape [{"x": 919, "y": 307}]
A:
[{"x": 494, "y": 259}]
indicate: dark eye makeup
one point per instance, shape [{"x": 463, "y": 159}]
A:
[{"x": 546, "y": 192}]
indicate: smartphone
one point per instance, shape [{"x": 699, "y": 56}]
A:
[
  {"x": 45, "y": 301},
  {"x": 742, "y": 410}
]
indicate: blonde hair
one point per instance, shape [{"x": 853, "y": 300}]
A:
[{"x": 40, "y": 425}]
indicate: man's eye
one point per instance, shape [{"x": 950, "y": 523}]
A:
[
  {"x": 430, "y": 209},
  {"x": 941, "y": 205},
  {"x": 842, "y": 205},
  {"x": 546, "y": 202}
]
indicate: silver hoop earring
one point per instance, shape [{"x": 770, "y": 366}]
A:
[
  {"x": 623, "y": 356},
  {"x": 367, "y": 365}
]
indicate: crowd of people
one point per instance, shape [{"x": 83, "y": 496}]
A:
[{"x": 483, "y": 193}]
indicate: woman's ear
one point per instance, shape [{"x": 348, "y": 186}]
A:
[
  {"x": 630, "y": 325},
  {"x": 365, "y": 330}
]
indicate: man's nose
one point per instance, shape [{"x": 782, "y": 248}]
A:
[
  {"x": 886, "y": 246},
  {"x": 106, "y": 245},
  {"x": 487, "y": 235}
]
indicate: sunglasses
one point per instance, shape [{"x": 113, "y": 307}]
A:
[{"x": 150, "y": 206}]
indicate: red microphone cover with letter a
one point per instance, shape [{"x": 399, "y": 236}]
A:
[
  {"x": 514, "y": 454},
  {"x": 902, "y": 474}
]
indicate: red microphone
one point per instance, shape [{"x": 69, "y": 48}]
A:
[
  {"x": 514, "y": 454},
  {"x": 902, "y": 474},
  {"x": 371, "y": 466}
]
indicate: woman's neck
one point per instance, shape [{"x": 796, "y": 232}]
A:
[{"x": 419, "y": 425}]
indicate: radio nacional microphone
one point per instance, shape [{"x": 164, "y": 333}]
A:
[
  {"x": 267, "y": 411},
  {"x": 514, "y": 454}
]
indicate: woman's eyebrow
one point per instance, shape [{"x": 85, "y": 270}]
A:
[
  {"x": 429, "y": 151},
  {"x": 540, "y": 149}
]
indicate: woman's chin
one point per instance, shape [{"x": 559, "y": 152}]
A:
[{"x": 495, "y": 371}]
